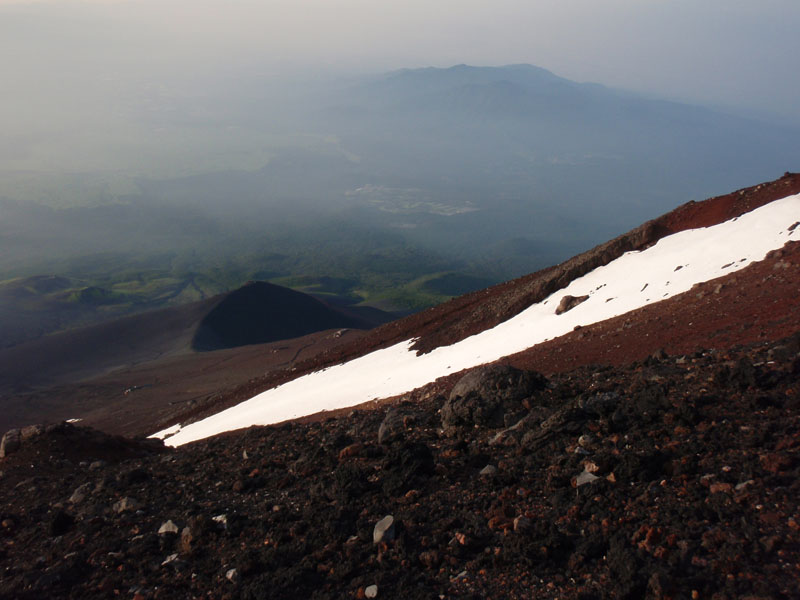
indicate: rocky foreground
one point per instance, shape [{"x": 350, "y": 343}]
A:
[{"x": 675, "y": 477}]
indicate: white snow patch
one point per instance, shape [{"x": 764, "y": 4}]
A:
[{"x": 704, "y": 254}]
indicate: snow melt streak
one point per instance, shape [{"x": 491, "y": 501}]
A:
[{"x": 670, "y": 267}]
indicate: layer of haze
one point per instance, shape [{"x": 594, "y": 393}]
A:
[
  {"x": 733, "y": 52},
  {"x": 158, "y": 152},
  {"x": 77, "y": 75}
]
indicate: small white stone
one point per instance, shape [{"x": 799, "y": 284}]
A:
[
  {"x": 371, "y": 591},
  {"x": 384, "y": 530},
  {"x": 167, "y": 527},
  {"x": 221, "y": 520}
]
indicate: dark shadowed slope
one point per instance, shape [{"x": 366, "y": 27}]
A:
[
  {"x": 261, "y": 312},
  {"x": 256, "y": 313},
  {"x": 87, "y": 352}
]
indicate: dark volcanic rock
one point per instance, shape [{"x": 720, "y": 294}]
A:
[
  {"x": 77, "y": 444},
  {"x": 398, "y": 419},
  {"x": 490, "y": 396},
  {"x": 407, "y": 465},
  {"x": 61, "y": 523},
  {"x": 10, "y": 442},
  {"x": 678, "y": 476},
  {"x": 569, "y": 302}
]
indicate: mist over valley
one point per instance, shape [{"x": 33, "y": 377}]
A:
[{"x": 396, "y": 190}]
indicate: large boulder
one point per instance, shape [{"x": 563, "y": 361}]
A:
[
  {"x": 490, "y": 396},
  {"x": 75, "y": 443},
  {"x": 10, "y": 442},
  {"x": 569, "y": 302},
  {"x": 400, "y": 420}
]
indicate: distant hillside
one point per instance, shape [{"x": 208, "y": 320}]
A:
[
  {"x": 262, "y": 312},
  {"x": 257, "y": 313}
]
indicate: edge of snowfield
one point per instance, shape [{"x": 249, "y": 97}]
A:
[{"x": 670, "y": 267}]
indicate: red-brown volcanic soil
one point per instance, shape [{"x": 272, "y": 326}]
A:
[
  {"x": 489, "y": 307},
  {"x": 472, "y": 313},
  {"x": 674, "y": 477},
  {"x": 758, "y": 303},
  {"x": 136, "y": 399}
]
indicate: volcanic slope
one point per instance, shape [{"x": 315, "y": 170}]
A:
[
  {"x": 656, "y": 474},
  {"x": 258, "y": 313},
  {"x": 670, "y": 266},
  {"x": 673, "y": 477},
  {"x": 472, "y": 313}
]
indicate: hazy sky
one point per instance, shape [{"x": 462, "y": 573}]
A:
[
  {"x": 738, "y": 52},
  {"x": 78, "y": 75}
]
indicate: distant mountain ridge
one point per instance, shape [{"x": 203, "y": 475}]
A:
[
  {"x": 433, "y": 79},
  {"x": 563, "y": 164},
  {"x": 526, "y": 91}
]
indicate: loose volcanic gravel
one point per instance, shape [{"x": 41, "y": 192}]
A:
[{"x": 673, "y": 477}]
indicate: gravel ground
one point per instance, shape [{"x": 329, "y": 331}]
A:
[{"x": 671, "y": 477}]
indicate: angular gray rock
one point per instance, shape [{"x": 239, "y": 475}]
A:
[
  {"x": 584, "y": 478},
  {"x": 172, "y": 558},
  {"x": 126, "y": 504},
  {"x": 393, "y": 425},
  {"x": 80, "y": 493},
  {"x": 398, "y": 420},
  {"x": 31, "y": 431},
  {"x": 522, "y": 524}
]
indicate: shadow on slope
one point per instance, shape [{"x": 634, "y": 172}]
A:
[
  {"x": 82, "y": 353},
  {"x": 256, "y": 313},
  {"x": 261, "y": 312}
]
